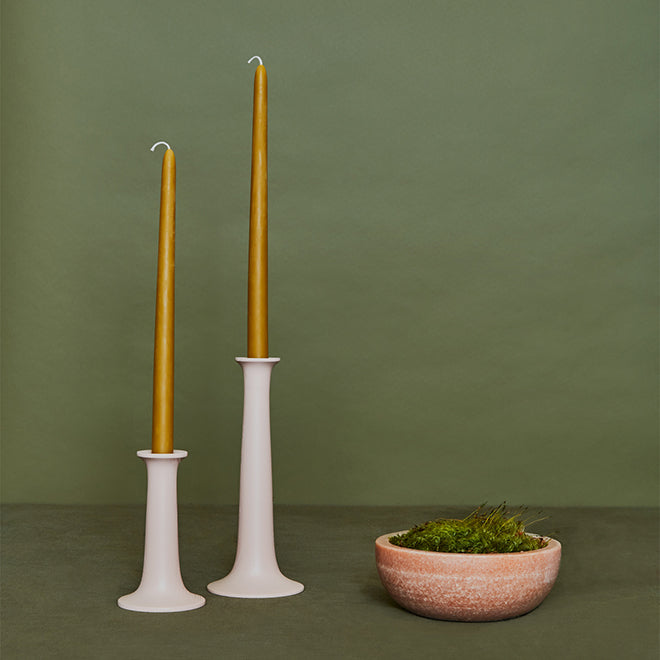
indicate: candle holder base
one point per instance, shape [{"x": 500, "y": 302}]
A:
[
  {"x": 145, "y": 600},
  {"x": 255, "y": 585},
  {"x": 161, "y": 588},
  {"x": 255, "y": 573}
]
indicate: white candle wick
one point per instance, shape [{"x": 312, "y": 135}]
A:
[
  {"x": 157, "y": 143},
  {"x": 256, "y": 57}
]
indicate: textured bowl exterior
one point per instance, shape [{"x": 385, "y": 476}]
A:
[{"x": 467, "y": 587}]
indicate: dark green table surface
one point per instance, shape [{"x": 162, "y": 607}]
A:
[{"x": 63, "y": 568}]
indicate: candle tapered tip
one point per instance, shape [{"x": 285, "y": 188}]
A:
[
  {"x": 161, "y": 142},
  {"x": 256, "y": 57}
]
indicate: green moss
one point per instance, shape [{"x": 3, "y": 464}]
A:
[{"x": 483, "y": 531}]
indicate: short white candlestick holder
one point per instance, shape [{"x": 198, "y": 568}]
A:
[
  {"x": 161, "y": 588},
  {"x": 255, "y": 573}
]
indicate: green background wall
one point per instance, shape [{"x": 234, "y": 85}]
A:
[{"x": 463, "y": 244}]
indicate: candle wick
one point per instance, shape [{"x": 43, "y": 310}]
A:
[
  {"x": 256, "y": 57},
  {"x": 157, "y": 143}
]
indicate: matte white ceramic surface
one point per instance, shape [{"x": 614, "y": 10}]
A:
[
  {"x": 161, "y": 588},
  {"x": 256, "y": 573}
]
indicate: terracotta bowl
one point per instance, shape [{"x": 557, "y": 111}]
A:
[{"x": 467, "y": 587}]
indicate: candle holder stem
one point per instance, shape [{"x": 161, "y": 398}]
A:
[
  {"x": 255, "y": 573},
  {"x": 161, "y": 588}
]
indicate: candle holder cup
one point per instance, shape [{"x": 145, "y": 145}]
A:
[
  {"x": 161, "y": 588},
  {"x": 255, "y": 573}
]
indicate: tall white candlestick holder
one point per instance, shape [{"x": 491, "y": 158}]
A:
[
  {"x": 256, "y": 573},
  {"x": 161, "y": 588}
]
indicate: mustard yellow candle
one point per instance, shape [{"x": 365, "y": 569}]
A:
[
  {"x": 258, "y": 251},
  {"x": 163, "y": 403}
]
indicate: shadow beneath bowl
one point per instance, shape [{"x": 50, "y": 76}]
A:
[{"x": 376, "y": 593}]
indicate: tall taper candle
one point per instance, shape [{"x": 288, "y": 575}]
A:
[
  {"x": 258, "y": 251},
  {"x": 163, "y": 403}
]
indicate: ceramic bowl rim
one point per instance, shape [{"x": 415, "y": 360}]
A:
[{"x": 384, "y": 541}]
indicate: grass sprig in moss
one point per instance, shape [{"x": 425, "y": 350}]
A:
[{"x": 483, "y": 531}]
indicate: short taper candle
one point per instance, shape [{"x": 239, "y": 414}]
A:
[{"x": 163, "y": 401}]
